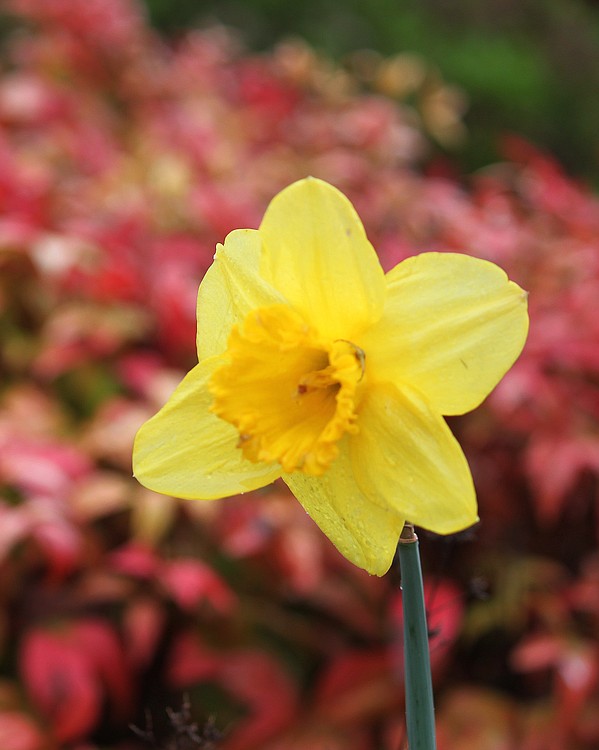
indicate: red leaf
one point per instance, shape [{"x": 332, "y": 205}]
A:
[
  {"x": 98, "y": 642},
  {"x": 554, "y": 464},
  {"x": 18, "y": 732},
  {"x": 135, "y": 560},
  {"x": 190, "y": 582},
  {"x": 575, "y": 667},
  {"x": 444, "y": 610},
  {"x": 40, "y": 468},
  {"x": 143, "y": 626},
  {"x": 269, "y": 694},
  {"x": 190, "y": 661},
  {"x": 576, "y": 681},
  {"x": 61, "y": 683},
  {"x": 252, "y": 677},
  {"x": 358, "y": 685},
  {"x": 539, "y": 651},
  {"x": 67, "y": 670},
  {"x": 61, "y": 544}
]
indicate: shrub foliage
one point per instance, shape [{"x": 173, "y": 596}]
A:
[{"x": 123, "y": 161}]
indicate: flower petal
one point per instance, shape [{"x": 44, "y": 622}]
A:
[
  {"x": 453, "y": 326},
  {"x": 366, "y": 533},
  {"x": 317, "y": 255},
  {"x": 188, "y": 452},
  {"x": 406, "y": 458},
  {"x": 231, "y": 288}
]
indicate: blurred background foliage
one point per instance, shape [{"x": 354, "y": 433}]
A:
[
  {"x": 527, "y": 66},
  {"x": 124, "y": 159}
]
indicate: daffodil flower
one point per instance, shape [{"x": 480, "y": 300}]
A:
[{"x": 317, "y": 367}]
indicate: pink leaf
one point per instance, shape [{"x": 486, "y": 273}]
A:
[
  {"x": 190, "y": 582},
  {"x": 190, "y": 661},
  {"x": 99, "y": 644},
  {"x": 255, "y": 679},
  {"x": 18, "y": 732},
  {"x": 61, "y": 683},
  {"x": 143, "y": 624}
]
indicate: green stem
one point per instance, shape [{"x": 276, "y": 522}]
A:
[{"x": 420, "y": 712}]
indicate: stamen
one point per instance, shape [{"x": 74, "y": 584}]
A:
[
  {"x": 360, "y": 355},
  {"x": 291, "y": 395}
]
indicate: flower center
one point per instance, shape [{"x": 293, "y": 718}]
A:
[{"x": 290, "y": 395}]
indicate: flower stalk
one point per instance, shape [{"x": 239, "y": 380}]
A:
[{"x": 420, "y": 713}]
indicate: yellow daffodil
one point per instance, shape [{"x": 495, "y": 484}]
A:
[{"x": 316, "y": 367}]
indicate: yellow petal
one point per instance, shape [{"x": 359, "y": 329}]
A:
[
  {"x": 366, "y": 533},
  {"x": 188, "y": 452},
  {"x": 452, "y": 326},
  {"x": 231, "y": 288},
  {"x": 405, "y": 457},
  {"x": 317, "y": 255}
]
